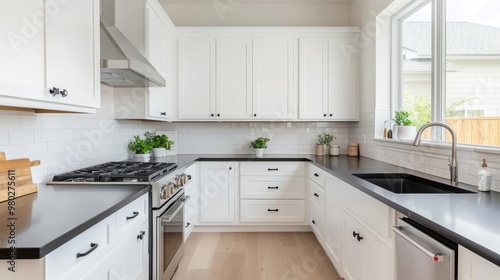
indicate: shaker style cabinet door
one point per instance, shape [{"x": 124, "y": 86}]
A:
[
  {"x": 217, "y": 192},
  {"x": 73, "y": 52},
  {"x": 196, "y": 78},
  {"x": 273, "y": 79},
  {"x": 234, "y": 79},
  {"x": 313, "y": 78}
]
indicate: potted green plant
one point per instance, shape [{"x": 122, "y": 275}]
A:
[
  {"x": 259, "y": 145},
  {"x": 160, "y": 145},
  {"x": 141, "y": 147},
  {"x": 405, "y": 128},
  {"x": 324, "y": 141}
]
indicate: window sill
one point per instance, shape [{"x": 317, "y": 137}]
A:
[{"x": 408, "y": 144}]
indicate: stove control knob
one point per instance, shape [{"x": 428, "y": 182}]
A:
[{"x": 163, "y": 192}]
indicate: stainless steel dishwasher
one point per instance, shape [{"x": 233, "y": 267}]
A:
[{"x": 422, "y": 253}]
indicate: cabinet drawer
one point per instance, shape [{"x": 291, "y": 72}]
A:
[
  {"x": 273, "y": 168},
  {"x": 280, "y": 211},
  {"x": 317, "y": 198},
  {"x": 64, "y": 260},
  {"x": 317, "y": 223},
  {"x": 272, "y": 187},
  {"x": 317, "y": 175},
  {"x": 132, "y": 215}
]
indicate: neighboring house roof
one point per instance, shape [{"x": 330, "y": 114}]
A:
[{"x": 466, "y": 37}]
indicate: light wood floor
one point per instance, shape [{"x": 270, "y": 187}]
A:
[{"x": 255, "y": 256}]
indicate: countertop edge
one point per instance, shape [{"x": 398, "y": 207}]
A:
[{"x": 41, "y": 252}]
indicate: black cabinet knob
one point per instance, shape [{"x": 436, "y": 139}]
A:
[
  {"x": 163, "y": 113},
  {"x": 331, "y": 115},
  {"x": 314, "y": 222},
  {"x": 54, "y": 91},
  {"x": 324, "y": 115},
  {"x": 141, "y": 235},
  {"x": 218, "y": 115},
  {"x": 188, "y": 224},
  {"x": 316, "y": 175},
  {"x": 316, "y": 195},
  {"x": 358, "y": 237},
  {"x": 230, "y": 168},
  {"x": 211, "y": 115},
  {"x": 64, "y": 93},
  {"x": 255, "y": 115}
]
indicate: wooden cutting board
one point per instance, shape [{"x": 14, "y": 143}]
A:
[{"x": 17, "y": 173}]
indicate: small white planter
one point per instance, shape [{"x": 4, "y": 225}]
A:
[
  {"x": 335, "y": 150},
  {"x": 259, "y": 152},
  {"x": 143, "y": 156},
  {"x": 159, "y": 152},
  {"x": 407, "y": 132}
]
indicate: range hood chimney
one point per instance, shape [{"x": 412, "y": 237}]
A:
[{"x": 122, "y": 64}]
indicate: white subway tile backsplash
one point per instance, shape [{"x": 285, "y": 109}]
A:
[
  {"x": 10, "y": 121},
  {"x": 4, "y": 137},
  {"x": 21, "y": 136},
  {"x": 34, "y": 150}
]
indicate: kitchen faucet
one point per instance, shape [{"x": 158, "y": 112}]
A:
[{"x": 452, "y": 163}]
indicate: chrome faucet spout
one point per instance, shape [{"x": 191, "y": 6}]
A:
[{"x": 453, "y": 162}]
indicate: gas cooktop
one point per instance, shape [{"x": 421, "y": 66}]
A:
[{"x": 118, "y": 171}]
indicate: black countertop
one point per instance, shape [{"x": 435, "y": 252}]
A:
[
  {"x": 471, "y": 220},
  {"x": 56, "y": 214}
]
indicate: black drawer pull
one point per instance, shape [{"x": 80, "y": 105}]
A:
[
  {"x": 141, "y": 235},
  {"x": 316, "y": 174},
  {"x": 163, "y": 113},
  {"x": 358, "y": 237},
  {"x": 272, "y": 169},
  {"x": 272, "y": 210},
  {"x": 188, "y": 224},
  {"x": 272, "y": 188},
  {"x": 135, "y": 214},
  {"x": 93, "y": 246},
  {"x": 314, "y": 222},
  {"x": 316, "y": 195}
]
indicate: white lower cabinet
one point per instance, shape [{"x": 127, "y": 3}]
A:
[
  {"x": 352, "y": 227},
  {"x": 474, "y": 267},
  {"x": 108, "y": 250},
  {"x": 365, "y": 256},
  {"x": 217, "y": 196}
]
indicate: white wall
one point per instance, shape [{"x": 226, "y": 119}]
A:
[
  {"x": 65, "y": 142},
  {"x": 243, "y": 13},
  {"x": 375, "y": 108}
]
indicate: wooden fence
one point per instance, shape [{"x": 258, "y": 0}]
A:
[{"x": 473, "y": 130}]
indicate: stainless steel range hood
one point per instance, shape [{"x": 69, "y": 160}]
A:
[{"x": 122, "y": 64}]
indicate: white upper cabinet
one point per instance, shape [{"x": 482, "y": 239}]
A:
[
  {"x": 146, "y": 26},
  {"x": 196, "y": 78},
  {"x": 273, "y": 81},
  {"x": 234, "y": 79},
  {"x": 313, "y": 78},
  {"x": 56, "y": 46},
  {"x": 343, "y": 86},
  {"x": 328, "y": 79}
]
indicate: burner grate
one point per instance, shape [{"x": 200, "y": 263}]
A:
[{"x": 119, "y": 171}]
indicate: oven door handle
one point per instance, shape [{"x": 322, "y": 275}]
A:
[
  {"x": 434, "y": 256},
  {"x": 181, "y": 204}
]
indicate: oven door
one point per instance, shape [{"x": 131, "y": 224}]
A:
[{"x": 169, "y": 244}]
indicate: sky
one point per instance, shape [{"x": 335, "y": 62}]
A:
[{"x": 477, "y": 11}]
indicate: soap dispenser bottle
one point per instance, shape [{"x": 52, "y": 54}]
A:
[{"x": 484, "y": 178}]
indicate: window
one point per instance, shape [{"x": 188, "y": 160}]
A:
[{"x": 453, "y": 77}]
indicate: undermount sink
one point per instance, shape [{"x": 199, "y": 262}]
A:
[{"x": 407, "y": 183}]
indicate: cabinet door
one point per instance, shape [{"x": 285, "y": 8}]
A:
[
  {"x": 217, "y": 192},
  {"x": 353, "y": 261},
  {"x": 273, "y": 68},
  {"x": 313, "y": 78},
  {"x": 333, "y": 220},
  {"x": 473, "y": 267},
  {"x": 23, "y": 54},
  {"x": 234, "y": 79},
  {"x": 159, "y": 99},
  {"x": 72, "y": 53},
  {"x": 343, "y": 82},
  {"x": 196, "y": 78}
]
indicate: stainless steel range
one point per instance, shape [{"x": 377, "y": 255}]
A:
[{"x": 167, "y": 202}]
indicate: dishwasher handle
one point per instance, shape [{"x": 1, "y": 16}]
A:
[{"x": 434, "y": 256}]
